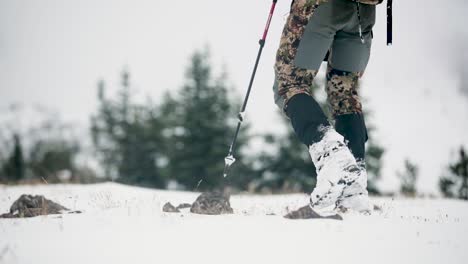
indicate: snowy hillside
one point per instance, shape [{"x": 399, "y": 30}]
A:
[{"x": 122, "y": 224}]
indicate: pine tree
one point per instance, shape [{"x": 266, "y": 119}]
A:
[
  {"x": 289, "y": 169},
  {"x": 127, "y": 137},
  {"x": 48, "y": 157},
  {"x": 374, "y": 154},
  {"x": 14, "y": 168},
  {"x": 199, "y": 127},
  {"x": 456, "y": 183},
  {"x": 408, "y": 179}
]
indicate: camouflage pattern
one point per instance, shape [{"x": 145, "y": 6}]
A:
[
  {"x": 291, "y": 79},
  {"x": 342, "y": 91}
]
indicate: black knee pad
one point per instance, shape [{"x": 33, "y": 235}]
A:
[
  {"x": 306, "y": 118},
  {"x": 353, "y": 128}
]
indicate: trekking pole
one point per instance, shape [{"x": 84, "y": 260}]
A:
[{"x": 229, "y": 159}]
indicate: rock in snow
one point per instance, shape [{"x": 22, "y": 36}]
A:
[
  {"x": 169, "y": 208},
  {"x": 184, "y": 206},
  {"x": 306, "y": 212},
  {"x": 212, "y": 203},
  {"x": 209, "y": 203},
  {"x": 30, "y": 206}
]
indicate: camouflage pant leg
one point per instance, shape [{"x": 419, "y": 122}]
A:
[
  {"x": 342, "y": 91},
  {"x": 291, "y": 79}
]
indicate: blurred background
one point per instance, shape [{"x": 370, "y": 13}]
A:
[{"x": 147, "y": 93}]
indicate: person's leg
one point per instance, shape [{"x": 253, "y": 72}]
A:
[
  {"x": 298, "y": 59},
  {"x": 347, "y": 62},
  {"x": 346, "y": 108},
  {"x": 307, "y": 37}
]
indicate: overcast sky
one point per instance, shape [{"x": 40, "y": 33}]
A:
[{"x": 52, "y": 52}]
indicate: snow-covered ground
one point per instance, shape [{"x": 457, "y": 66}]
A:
[{"x": 122, "y": 224}]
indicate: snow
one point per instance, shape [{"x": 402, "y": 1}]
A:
[{"x": 123, "y": 224}]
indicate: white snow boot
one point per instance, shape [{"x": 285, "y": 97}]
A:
[
  {"x": 355, "y": 196},
  {"x": 336, "y": 169}
]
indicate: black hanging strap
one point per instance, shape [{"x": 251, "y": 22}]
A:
[{"x": 389, "y": 23}]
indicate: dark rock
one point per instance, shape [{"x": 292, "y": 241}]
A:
[
  {"x": 7, "y": 215},
  {"x": 212, "y": 203},
  {"x": 169, "y": 208},
  {"x": 306, "y": 212},
  {"x": 30, "y": 206},
  {"x": 377, "y": 208},
  {"x": 183, "y": 206}
]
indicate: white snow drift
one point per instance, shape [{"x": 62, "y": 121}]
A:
[{"x": 122, "y": 224}]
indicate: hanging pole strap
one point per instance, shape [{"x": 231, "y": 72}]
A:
[
  {"x": 230, "y": 159},
  {"x": 389, "y": 23}
]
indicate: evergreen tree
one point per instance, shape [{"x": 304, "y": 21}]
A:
[
  {"x": 456, "y": 183},
  {"x": 408, "y": 179},
  {"x": 199, "y": 126},
  {"x": 48, "y": 157},
  {"x": 374, "y": 154},
  {"x": 446, "y": 185},
  {"x": 289, "y": 169},
  {"x": 14, "y": 168},
  {"x": 127, "y": 137}
]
